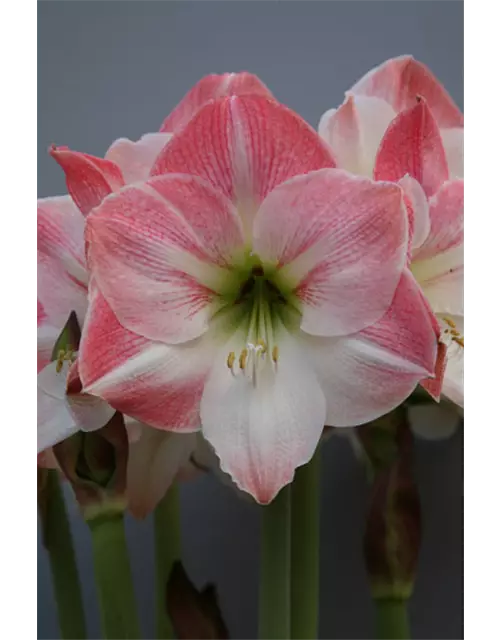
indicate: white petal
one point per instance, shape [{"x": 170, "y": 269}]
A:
[
  {"x": 52, "y": 382},
  {"x": 263, "y": 427},
  {"x": 154, "y": 461},
  {"x": 89, "y": 412},
  {"x": 54, "y": 421},
  {"x": 446, "y": 293}
]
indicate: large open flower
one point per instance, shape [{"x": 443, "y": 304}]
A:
[
  {"x": 252, "y": 285},
  {"x": 398, "y": 123}
]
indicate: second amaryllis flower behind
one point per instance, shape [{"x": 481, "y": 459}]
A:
[{"x": 254, "y": 290}]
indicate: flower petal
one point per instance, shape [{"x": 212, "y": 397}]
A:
[
  {"x": 453, "y": 143},
  {"x": 446, "y": 292},
  {"x": 153, "y": 463},
  {"x": 418, "y": 210},
  {"x": 210, "y": 88},
  {"x": 399, "y": 81},
  {"x": 89, "y": 179},
  {"x": 263, "y": 430},
  {"x": 368, "y": 374},
  {"x": 158, "y": 251},
  {"x": 433, "y": 421},
  {"x": 245, "y": 147},
  {"x": 354, "y": 132},
  {"x": 341, "y": 240},
  {"x": 60, "y": 227},
  {"x": 55, "y": 422},
  {"x": 412, "y": 144},
  {"x": 135, "y": 159},
  {"x": 154, "y": 383},
  {"x": 446, "y": 213}
]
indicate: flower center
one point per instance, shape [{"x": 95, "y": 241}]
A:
[
  {"x": 266, "y": 308},
  {"x": 450, "y": 334}
]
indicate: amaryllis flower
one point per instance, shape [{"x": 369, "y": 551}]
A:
[
  {"x": 62, "y": 292},
  {"x": 252, "y": 286},
  {"x": 399, "y": 124}
]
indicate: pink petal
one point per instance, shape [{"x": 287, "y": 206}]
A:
[
  {"x": 158, "y": 249},
  {"x": 354, "y": 131},
  {"x": 89, "y": 179},
  {"x": 154, "y": 383},
  {"x": 434, "y": 385},
  {"x": 60, "y": 228},
  {"x": 366, "y": 375},
  {"x": 245, "y": 147},
  {"x": 58, "y": 291},
  {"x": 135, "y": 159},
  {"x": 399, "y": 81},
  {"x": 341, "y": 241},
  {"x": 446, "y": 213},
  {"x": 412, "y": 144},
  {"x": 212, "y": 87}
]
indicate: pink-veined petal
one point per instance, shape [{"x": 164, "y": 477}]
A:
[
  {"x": 453, "y": 143},
  {"x": 412, "y": 144},
  {"x": 60, "y": 227},
  {"x": 210, "y": 88},
  {"x": 366, "y": 375},
  {"x": 354, "y": 131},
  {"x": 262, "y": 430},
  {"x": 154, "y": 460},
  {"x": 135, "y": 159},
  {"x": 446, "y": 214},
  {"x": 154, "y": 383},
  {"x": 245, "y": 147},
  {"x": 341, "y": 240},
  {"x": 158, "y": 251},
  {"x": 89, "y": 179},
  {"x": 399, "y": 81}
]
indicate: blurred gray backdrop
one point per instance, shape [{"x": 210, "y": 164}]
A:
[{"x": 113, "y": 69}]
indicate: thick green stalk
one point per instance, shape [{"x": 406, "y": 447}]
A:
[
  {"x": 305, "y": 550},
  {"x": 113, "y": 578},
  {"x": 274, "y": 605},
  {"x": 59, "y": 545},
  {"x": 168, "y": 550},
  {"x": 392, "y": 619}
]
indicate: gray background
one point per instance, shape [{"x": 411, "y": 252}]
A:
[{"x": 111, "y": 69}]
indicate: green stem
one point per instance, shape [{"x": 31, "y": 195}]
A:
[
  {"x": 168, "y": 550},
  {"x": 114, "y": 578},
  {"x": 274, "y": 605},
  {"x": 392, "y": 619},
  {"x": 305, "y": 550},
  {"x": 59, "y": 545}
]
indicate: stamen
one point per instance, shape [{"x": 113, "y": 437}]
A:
[
  {"x": 243, "y": 358},
  {"x": 275, "y": 354},
  {"x": 459, "y": 341},
  {"x": 230, "y": 359},
  {"x": 63, "y": 356},
  {"x": 261, "y": 343},
  {"x": 449, "y": 322}
]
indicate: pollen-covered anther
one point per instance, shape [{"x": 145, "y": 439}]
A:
[
  {"x": 263, "y": 346},
  {"x": 230, "y": 360},
  {"x": 64, "y": 355},
  {"x": 275, "y": 354},
  {"x": 452, "y": 332},
  {"x": 243, "y": 359}
]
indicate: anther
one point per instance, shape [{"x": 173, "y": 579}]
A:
[
  {"x": 243, "y": 358},
  {"x": 275, "y": 354},
  {"x": 459, "y": 341},
  {"x": 230, "y": 360},
  {"x": 450, "y": 322},
  {"x": 262, "y": 345},
  {"x": 61, "y": 357}
]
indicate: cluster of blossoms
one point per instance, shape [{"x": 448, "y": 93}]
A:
[{"x": 237, "y": 281}]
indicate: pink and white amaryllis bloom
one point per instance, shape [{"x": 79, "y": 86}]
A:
[
  {"x": 251, "y": 286},
  {"x": 399, "y": 124}
]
